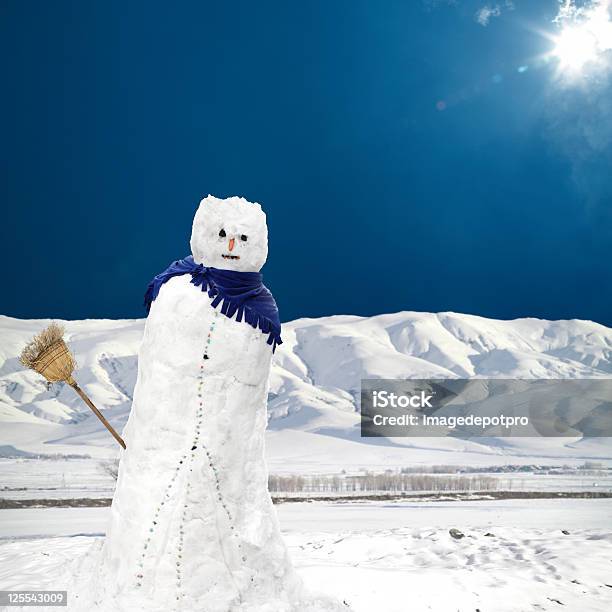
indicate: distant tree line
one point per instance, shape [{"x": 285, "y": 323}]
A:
[{"x": 383, "y": 482}]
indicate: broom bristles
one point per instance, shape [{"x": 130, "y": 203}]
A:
[
  {"x": 47, "y": 354},
  {"x": 41, "y": 342}
]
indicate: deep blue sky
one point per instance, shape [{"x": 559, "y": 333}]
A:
[{"x": 403, "y": 160}]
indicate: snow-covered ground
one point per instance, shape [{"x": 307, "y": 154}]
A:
[
  {"x": 54, "y": 479},
  {"x": 391, "y": 557}
]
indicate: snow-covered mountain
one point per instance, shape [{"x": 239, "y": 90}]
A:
[{"x": 314, "y": 424}]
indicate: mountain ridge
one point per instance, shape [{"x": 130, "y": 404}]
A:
[{"x": 315, "y": 378}]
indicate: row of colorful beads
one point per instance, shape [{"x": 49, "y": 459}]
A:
[
  {"x": 195, "y": 441},
  {"x": 208, "y": 338},
  {"x": 209, "y": 456},
  {"x": 166, "y": 495},
  {"x": 194, "y": 446},
  {"x": 155, "y": 521},
  {"x": 222, "y": 501}
]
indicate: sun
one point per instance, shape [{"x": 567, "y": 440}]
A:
[
  {"x": 585, "y": 39},
  {"x": 575, "y": 47}
]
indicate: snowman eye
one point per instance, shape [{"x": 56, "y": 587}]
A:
[
  {"x": 243, "y": 238},
  {"x": 222, "y": 233}
]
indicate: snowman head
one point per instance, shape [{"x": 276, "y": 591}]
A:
[{"x": 230, "y": 234}]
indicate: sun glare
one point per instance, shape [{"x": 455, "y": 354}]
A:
[
  {"x": 575, "y": 46},
  {"x": 584, "y": 42}
]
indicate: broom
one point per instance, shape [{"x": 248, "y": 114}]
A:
[{"x": 48, "y": 355}]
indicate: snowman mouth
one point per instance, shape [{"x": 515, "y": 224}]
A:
[{"x": 230, "y": 256}]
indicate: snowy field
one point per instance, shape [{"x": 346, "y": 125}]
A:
[
  {"x": 54, "y": 479},
  {"x": 386, "y": 557}
]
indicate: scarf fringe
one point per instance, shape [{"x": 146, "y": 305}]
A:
[
  {"x": 229, "y": 309},
  {"x": 148, "y": 298}
]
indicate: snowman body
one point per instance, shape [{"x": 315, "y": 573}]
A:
[{"x": 192, "y": 523}]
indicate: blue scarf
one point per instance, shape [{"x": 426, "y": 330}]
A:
[{"x": 237, "y": 292}]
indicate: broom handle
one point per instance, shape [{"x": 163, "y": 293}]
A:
[{"x": 84, "y": 397}]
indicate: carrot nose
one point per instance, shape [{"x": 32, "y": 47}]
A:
[{"x": 231, "y": 244}]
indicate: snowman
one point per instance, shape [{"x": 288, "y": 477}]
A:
[{"x": 192, "y": 524}]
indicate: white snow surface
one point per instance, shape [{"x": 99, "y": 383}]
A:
[
  {"x": 379, "y": 556},
  {"x": 313, "y": 423}
]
